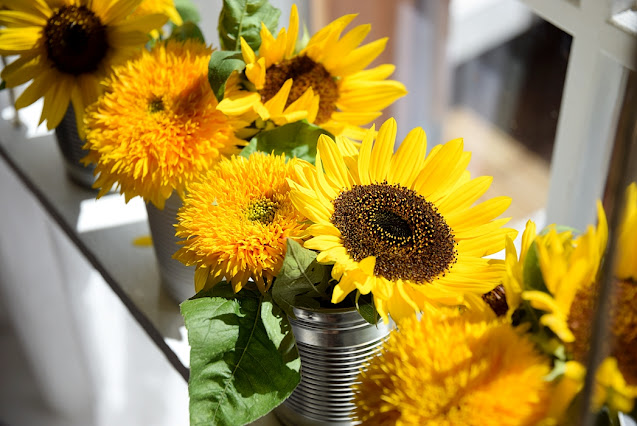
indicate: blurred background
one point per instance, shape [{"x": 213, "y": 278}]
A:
[{"x": 541, "y": 91}]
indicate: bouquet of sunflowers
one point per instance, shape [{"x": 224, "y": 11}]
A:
[
  {"x": 292, "y": 200},
  {"x": 317, "y": 212}
]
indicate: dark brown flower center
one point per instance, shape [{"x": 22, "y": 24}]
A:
[
  {"x": 262, "y": 210},
  {"x": 305, "y": 74},
  {"x": 622, "y": 340},
  {"x": 496, "y": 299},
  {"x": 404, "y": 231},
  {"x": 75, "y": 40},
  {"x": 156, "y": 105}
]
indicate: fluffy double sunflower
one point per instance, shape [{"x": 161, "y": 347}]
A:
[
  {"x": 236, "y": 220},
  {"x": 156, "y": 128},
  {"x": 454, "y": 369},
  {"x": 404, "y": 226},
  {"x": 325, "y": 83},
  {"x": 66, "y": 47}
]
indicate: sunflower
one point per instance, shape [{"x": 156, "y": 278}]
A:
[
  {"x": 330, "y": 66},
  {"x": 235, "y": 222},
  {"x": 156, "y": 128},
  {"x": 623, "y": 311},
  {"x": 402, "y": 226},
  {"x": 66, "y": 47},
  {"x": 454, "y": 369},
  {"x": 568, "y": 265}
]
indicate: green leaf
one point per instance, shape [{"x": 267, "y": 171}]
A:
[
  {"x": 301, "y": 281},
  {"x": 188, "y": 11},
  {"x": 296, "y": 139},
  {"x": 241, "y": 362},
  {"x": 365, "y": 306},
  {"x": 3, "y": 85},
  {"x": 249, "y": 149},
  {"x": 242, "y": 18},
  {"x": 279, "y": 330},
  {"x": 221, "y": 65},
  {"x": 187, "y": 31}
]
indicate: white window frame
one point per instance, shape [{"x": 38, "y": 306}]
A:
[{"x": 601, "y": 56}]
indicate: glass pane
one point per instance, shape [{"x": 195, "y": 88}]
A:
[{"x": 490, "y": 72}]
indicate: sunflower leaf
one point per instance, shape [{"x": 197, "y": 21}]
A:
[
  {"x": 301, "y": 282},
  {"x": 243, "y": 362},
  {"x": 365, "y": 306},
  {"x": 188, "y": 11},
  {"x": 221, "y": 65},
  {"x": 243, "y": 18},
  {"x": 187, "y": 31},
  {"x": 296, "y": 139}
]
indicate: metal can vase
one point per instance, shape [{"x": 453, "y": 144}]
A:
[
  {"x": 70, "y": 146},
  {"x": 333, "y": 344},
  {"x": 177, "y": 278}
]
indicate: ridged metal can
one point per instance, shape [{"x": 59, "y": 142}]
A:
[
  {"x": 177, "y": 278},
  {"x": 70, "y": 146},
  {"x": 334, "y": 344}
]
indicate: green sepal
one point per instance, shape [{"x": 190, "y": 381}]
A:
[
  {"x": 222, "y": 64},
  {"x": 189, "y": 30},
  {"x": 243, "y": 18},
  {"x": 188, "y": 11},
  {"x": 242, "y": 361},
  {"x": 532, "y": 272},
  {"x": 302, "y": 281},
  {"x": 296, "y": 139},
  {"x": 3, "y": 85}
]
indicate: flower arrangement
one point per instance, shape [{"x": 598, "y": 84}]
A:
[
  {"x": 291, "y": 200},
  {"x": 321, "y": 236},
  {"x": 527, "y": 363}
]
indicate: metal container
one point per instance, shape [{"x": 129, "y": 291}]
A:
[
  {"x": 70, "y": 145},
  {"x": 333, "y": 345},
  {"x": 177, "y": 278}
]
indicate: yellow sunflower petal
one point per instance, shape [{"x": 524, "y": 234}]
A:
[
  {"x": 246, "y": 51},
  {"x": 56, "y": 102},
  {"x": 23, "y": 69},
  {"x": 479, "y": 214},
  {"x": 463, "y": 197},
  {"x": 344, "y": 47},
  {"x": 277, "y": 103},
  {"x": 134, "y": 31},
  {"x": 359, "y": 58},
  {"x": 441, "y": 170},
  {"x": 115, "y": 10},
  {"x": 405, "y": 164},
  {"x": 22, "y": 19},
  {"x": 382, "y": 151},
  {"x": 332, "y": 161},
  {"x": 38, "y": 8},
  {"x": 364, "y": 158},
  {"x": 486, "y": 245},
  {"x": 34, "y": 91},
  {"x": 19, "y": 40},
  {"x": 292, "y": 33}
]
